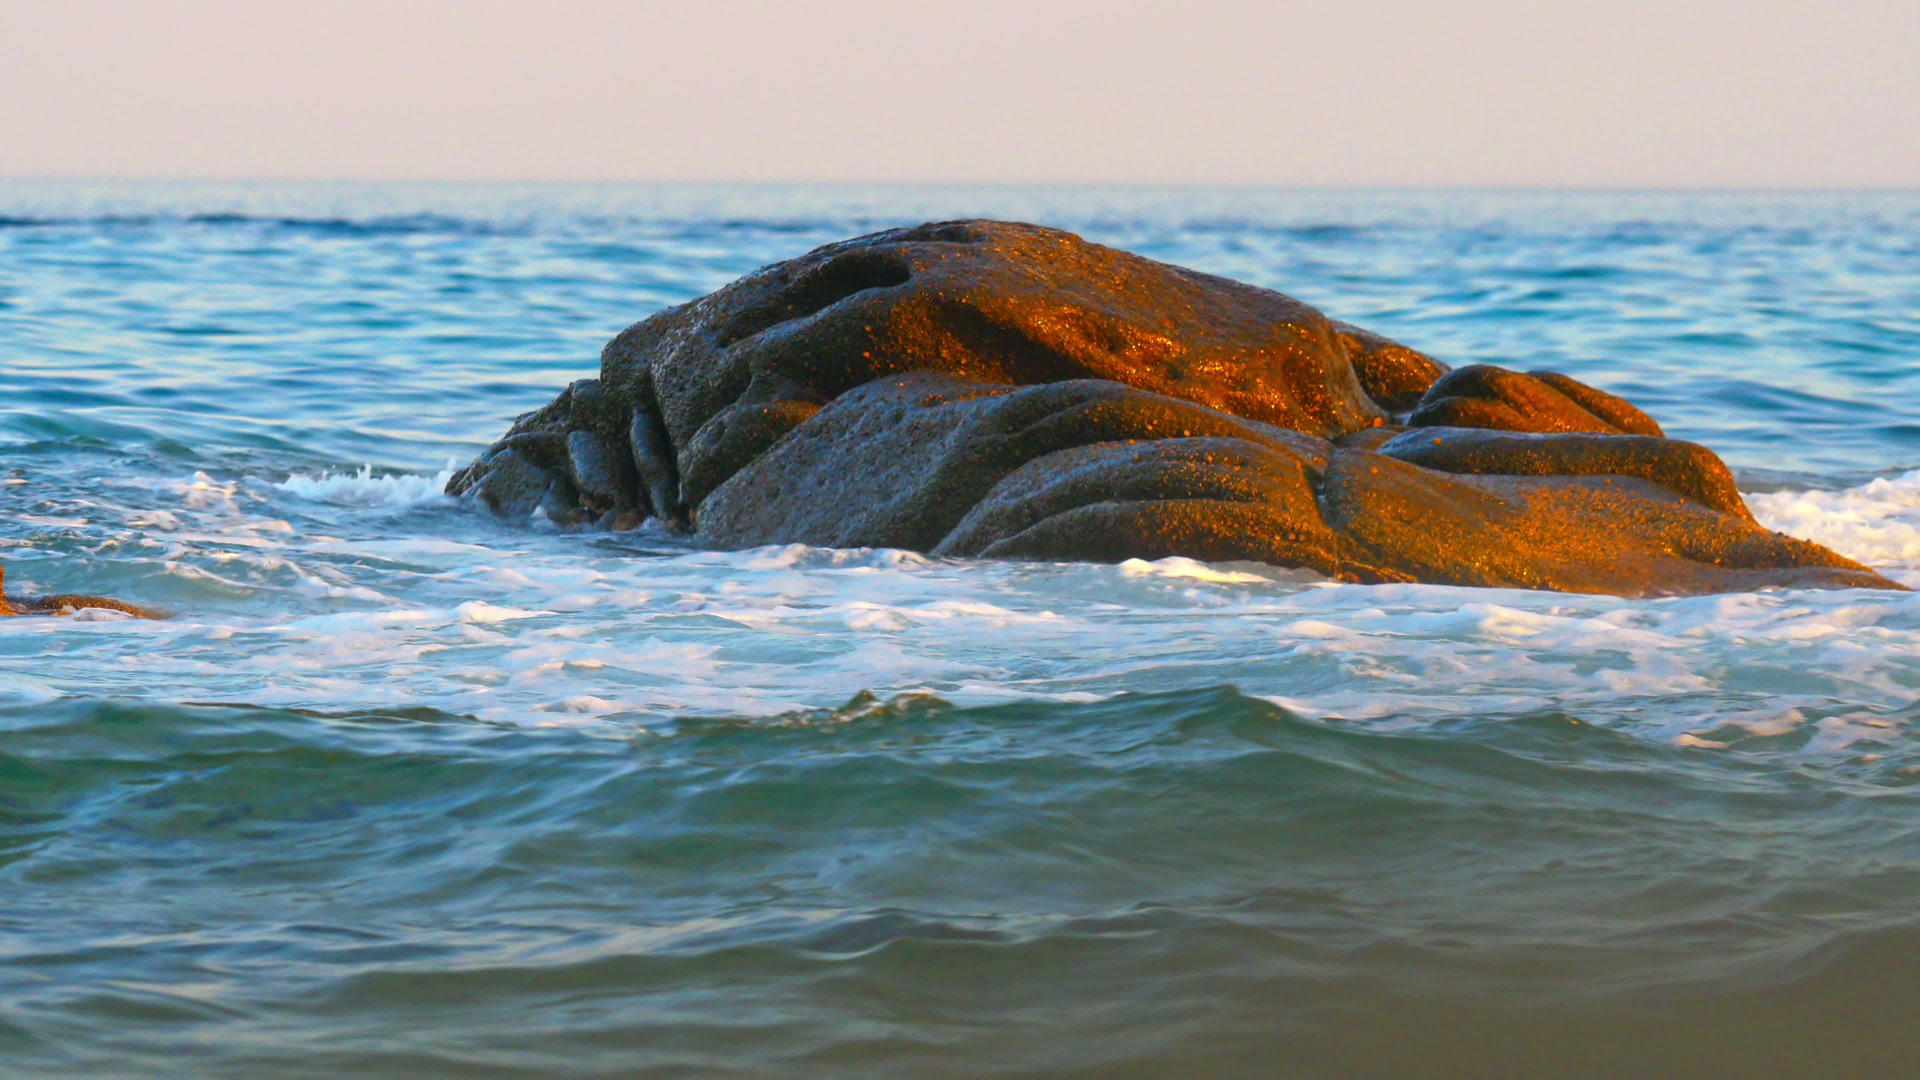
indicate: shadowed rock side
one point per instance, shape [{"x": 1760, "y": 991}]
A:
[{"x": 983, "y": 388}]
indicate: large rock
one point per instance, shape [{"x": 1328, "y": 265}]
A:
[{"x": 982, "y": 388}]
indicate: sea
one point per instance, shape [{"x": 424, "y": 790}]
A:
[{"x": 405, "y": 790}]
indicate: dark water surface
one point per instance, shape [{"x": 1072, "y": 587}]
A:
[{"x": 406, "y": 791}]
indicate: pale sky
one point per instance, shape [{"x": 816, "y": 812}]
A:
[{"x": 1606, "y": 93}]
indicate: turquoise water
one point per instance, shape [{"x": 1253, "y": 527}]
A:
[{"x": 407, "y": 791}]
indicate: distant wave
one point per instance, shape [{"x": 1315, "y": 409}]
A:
[{"x": 395, "y": 224}]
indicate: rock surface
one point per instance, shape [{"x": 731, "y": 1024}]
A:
[{"x": 1002, "y": 390}]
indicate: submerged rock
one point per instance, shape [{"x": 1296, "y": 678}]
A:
[
  {"x": 1005, "y": 390},
  {"x": 66, "y": 603}
]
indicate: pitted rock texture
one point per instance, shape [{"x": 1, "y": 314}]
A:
[{"x": 990, "y": 389}]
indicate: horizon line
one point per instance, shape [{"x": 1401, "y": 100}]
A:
[{"x": 1494, "y": 186}]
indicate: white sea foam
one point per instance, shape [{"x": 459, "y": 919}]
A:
[
  {"x": 1178, "y": 567},
  {"x": 363, "y": 488},
  {"x": 479, "y": 611},
  {"x": 517, "y": 625},
  {"x": 1877, "y": 523}
]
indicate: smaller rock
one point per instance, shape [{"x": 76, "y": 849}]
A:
[
  {"x": 1393, "y": 375},
  {"x": 67, "y": 604},
  {"x": 1484, "y": 396},
  {"x": 560, "y": 504},
  {"x": 1684, "y": 468},
  {"x": 733, "y": 437},
  {"x": 508, "y": 483},
  {"x": 1601, "y": 533},
  {"x": 1219, "y": 498},
  {"x": 603, "y": 478}
]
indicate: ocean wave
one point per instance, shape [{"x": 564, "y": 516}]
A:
[
  {"x": 325, "y": 226},
  {"x": 364, "y": 488},
  {"x": 733, "y": 894}
]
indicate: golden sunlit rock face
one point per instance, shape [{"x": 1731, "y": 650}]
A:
[{"x": 1006, "y": 390}]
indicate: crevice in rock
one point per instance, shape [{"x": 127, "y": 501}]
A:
[{"x": 654, "y": 463}]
